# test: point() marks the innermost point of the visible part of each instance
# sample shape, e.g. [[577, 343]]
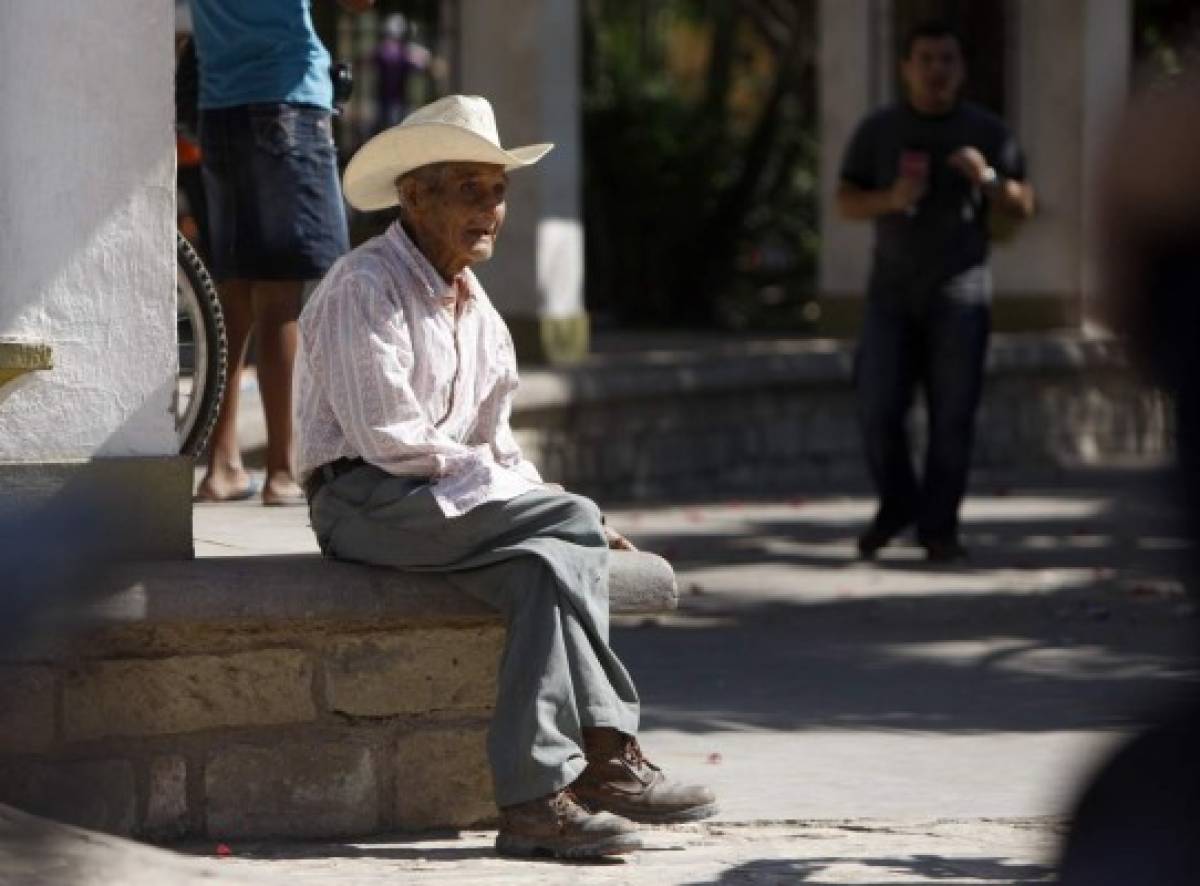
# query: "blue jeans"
[[939, 345]]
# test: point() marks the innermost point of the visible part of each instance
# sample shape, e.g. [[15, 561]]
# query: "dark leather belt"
[[328, 472]]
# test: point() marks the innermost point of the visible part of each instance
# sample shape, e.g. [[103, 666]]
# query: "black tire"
[[202, 351]]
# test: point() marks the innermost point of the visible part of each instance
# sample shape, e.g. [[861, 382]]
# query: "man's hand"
[[972, 165], [616, 541], [1014, 198], [905, 191], [857, 204]]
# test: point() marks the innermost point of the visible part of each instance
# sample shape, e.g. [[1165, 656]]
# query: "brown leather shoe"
[[556, 825], [619, 779]]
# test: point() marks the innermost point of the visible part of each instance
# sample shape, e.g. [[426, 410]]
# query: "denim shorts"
[[275, 208]]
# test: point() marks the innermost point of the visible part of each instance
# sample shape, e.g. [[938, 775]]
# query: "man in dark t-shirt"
[[927, 171]]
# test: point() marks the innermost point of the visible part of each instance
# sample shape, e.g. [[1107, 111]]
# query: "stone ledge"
[[269, 696], [296, 587], [761, 364], [223, 604]]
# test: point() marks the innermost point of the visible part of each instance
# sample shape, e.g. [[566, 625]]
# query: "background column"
[[855, 77], [523, 55]]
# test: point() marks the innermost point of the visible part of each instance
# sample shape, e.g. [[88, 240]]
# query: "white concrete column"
[[855, 76], [87, 249], [1072, 61], [523, 55], [1108, 59]]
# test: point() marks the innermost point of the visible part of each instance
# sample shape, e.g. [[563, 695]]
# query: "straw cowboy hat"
[[457, 128]]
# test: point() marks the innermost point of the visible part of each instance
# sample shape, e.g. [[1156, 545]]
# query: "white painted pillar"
[[1072, 74], [523, 55], [855, 77], [87, 217], [1108, 58]]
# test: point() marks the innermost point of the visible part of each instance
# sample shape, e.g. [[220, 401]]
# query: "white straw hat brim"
[[369, 182]]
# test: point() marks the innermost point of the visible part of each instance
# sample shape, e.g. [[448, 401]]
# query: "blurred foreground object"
[[55, 558], [1139, 820]]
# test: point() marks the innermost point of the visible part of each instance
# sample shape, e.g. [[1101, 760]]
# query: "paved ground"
[[863, 724], [886, 723]]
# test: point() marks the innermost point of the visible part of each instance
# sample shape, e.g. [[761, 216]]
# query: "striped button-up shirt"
[[412, 374]]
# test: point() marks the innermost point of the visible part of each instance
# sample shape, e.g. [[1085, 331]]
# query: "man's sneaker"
[[878, 536], [557, 826], [870, 543], [619, 779], [945, 551]]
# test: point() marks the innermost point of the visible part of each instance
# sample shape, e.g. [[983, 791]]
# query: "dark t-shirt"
[[947, 233]]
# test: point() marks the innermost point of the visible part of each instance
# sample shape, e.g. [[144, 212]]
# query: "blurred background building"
[[699, 143]]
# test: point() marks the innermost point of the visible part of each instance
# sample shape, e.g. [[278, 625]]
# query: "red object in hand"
[[914, 164]]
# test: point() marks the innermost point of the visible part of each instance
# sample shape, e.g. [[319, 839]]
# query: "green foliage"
[[1167, 38], [688, 225]]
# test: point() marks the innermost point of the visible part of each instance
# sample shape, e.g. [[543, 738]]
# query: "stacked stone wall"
[[214, 733]]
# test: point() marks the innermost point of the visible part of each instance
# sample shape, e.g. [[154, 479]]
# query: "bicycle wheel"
[[200, 383]]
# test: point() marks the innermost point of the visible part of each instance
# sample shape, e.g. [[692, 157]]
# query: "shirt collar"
[[431, 281]]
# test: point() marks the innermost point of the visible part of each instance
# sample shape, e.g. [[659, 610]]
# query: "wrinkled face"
[[933, 73], [458, 212]]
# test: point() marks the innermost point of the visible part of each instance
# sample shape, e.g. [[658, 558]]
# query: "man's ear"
[[406, 191]]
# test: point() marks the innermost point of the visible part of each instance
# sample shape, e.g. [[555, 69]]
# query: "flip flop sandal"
[[248, 491]]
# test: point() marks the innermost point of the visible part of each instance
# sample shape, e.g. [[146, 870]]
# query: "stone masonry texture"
[[166, 805], [443, 778], [416, 671], [187, 694], [99, 794], [307, 787], [26, 709]]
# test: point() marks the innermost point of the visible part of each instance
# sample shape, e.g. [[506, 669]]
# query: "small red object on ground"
[[223, 850]]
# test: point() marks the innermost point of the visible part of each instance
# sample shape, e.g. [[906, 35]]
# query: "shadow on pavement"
[[1120, 533], [940, 871], [1100, 643]]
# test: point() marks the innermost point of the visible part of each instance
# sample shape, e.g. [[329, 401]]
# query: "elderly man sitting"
[[405, 378]]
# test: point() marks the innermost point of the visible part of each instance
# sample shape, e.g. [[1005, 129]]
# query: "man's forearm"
[[859, 204]]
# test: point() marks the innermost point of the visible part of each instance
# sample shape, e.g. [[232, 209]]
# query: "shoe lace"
[[566, 800], [634, 755]]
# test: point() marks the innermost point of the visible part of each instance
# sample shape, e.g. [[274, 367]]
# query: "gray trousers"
[[547, 574]]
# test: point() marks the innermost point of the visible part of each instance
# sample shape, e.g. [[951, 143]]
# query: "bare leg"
[[276, 309], [226, 476]]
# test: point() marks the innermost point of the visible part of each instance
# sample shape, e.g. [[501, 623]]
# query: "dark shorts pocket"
[[274, 129]]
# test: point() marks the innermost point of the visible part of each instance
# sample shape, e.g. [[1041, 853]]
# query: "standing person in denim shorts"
[[275, 208]]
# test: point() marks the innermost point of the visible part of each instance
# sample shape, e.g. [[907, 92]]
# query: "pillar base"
[[19, 357], [149, 499], [554, 341]]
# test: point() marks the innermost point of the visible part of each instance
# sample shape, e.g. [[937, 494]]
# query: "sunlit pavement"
[[862, 723]]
